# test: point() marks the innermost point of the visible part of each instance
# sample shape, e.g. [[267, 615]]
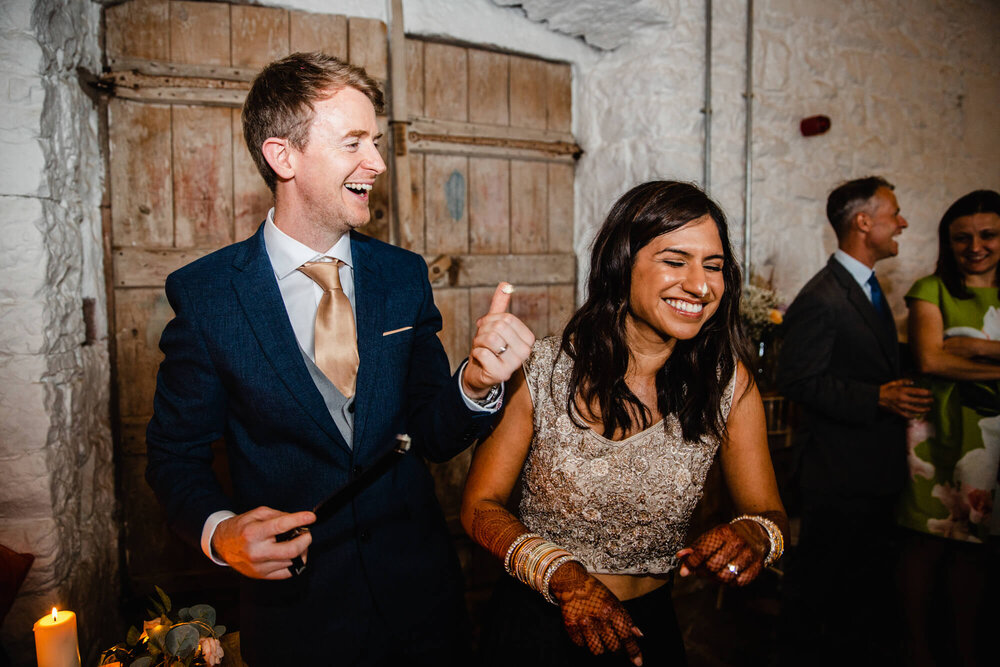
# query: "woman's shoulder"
[[546, 348], [543, 355], [928, 288], [737, 385], [546, 367]]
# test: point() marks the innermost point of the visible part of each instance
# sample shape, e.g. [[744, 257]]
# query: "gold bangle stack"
[[533, 560], [773, 535]]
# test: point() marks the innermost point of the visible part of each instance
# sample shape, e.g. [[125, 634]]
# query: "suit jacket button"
[[356, 471], [364, 535]]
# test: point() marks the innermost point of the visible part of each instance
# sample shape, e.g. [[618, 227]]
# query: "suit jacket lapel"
[[884, 328], [258, 294], [369, 305]]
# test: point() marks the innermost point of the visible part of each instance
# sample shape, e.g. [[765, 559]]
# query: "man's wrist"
[[476, 404], [208, 532], [491, 396], [467, 390]]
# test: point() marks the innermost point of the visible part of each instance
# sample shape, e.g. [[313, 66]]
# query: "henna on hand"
[[593, 616], [740, 545]]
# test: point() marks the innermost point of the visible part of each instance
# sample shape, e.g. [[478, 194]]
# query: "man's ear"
[[277, 152], [863, 222]]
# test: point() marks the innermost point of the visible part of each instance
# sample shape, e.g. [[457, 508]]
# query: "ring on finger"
[[733, 569], [501, 350]]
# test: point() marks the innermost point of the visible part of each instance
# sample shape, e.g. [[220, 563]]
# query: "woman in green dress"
[[954, 450]]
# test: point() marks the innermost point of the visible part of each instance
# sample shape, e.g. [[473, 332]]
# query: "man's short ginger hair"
[[850, 198], [280, 101]]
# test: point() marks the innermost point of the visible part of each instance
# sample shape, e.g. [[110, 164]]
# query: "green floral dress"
[[954, 451]]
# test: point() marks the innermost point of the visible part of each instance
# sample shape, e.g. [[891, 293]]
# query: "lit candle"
[[55, 640]]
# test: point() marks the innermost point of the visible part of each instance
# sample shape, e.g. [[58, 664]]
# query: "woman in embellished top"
[[608, 435]]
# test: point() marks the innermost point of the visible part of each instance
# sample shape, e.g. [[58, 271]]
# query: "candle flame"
[[55, 615]]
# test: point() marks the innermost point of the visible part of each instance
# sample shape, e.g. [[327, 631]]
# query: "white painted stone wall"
[[57, 486]]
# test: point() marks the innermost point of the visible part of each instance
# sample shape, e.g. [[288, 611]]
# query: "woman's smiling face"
[[677, 281], [975, 241]]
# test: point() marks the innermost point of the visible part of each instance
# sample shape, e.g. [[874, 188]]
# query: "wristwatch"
[[489, 398]]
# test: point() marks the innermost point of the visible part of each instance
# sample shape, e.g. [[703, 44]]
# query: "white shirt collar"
[[858, 271], [287, 254]]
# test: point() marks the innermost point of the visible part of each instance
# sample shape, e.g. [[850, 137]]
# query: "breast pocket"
[[398, 336], [402, 308]]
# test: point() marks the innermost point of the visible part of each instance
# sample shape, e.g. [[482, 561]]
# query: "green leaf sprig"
[[167, 640]]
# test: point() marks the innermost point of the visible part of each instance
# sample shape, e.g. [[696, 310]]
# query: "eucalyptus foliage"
[[166, 640]]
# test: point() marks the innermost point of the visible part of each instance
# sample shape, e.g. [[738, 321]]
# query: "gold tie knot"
[[326, 274]]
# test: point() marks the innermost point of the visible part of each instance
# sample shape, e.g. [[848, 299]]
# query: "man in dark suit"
[[840, 363], [308, 347]]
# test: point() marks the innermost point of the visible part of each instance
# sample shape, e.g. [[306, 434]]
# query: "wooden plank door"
[[182, 184], [491, 158]]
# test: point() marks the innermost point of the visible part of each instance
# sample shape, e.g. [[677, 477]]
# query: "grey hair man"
[[840, 361]]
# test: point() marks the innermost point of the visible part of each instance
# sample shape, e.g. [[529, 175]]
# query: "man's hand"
[[246, 542], [903, 398], [501, 345]]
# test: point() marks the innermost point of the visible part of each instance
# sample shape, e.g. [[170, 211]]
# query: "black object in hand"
[[329, 506]]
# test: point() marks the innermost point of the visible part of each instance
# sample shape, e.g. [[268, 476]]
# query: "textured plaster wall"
[[602, 24], [481, 22], [57, 486], [912, 89]]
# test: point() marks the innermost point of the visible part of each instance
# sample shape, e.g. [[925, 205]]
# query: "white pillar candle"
[[55, 640]]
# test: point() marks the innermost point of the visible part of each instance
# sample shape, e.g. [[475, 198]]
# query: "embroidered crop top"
[[622, 507]]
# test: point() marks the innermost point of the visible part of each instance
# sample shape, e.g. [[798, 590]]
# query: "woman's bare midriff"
[[628, 586]]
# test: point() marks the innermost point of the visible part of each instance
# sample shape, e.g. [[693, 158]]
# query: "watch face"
[[491, 396]]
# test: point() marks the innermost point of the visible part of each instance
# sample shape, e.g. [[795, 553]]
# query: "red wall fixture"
[[814, 125]]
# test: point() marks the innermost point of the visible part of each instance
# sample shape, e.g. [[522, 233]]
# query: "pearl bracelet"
[[774, 535]]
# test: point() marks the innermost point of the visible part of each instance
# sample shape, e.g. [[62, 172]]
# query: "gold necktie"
[[336, 340]]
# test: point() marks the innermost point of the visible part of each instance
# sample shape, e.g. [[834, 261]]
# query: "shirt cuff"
[[490, 407], [211, 523]]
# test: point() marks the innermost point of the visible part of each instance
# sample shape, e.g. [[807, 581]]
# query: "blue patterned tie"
[[878, 298]]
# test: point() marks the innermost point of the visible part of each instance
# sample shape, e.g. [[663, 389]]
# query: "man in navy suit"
[[840, 362], [382, 583]]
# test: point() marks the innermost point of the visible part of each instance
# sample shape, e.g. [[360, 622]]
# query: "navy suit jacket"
[[836, 352], [233, 370]]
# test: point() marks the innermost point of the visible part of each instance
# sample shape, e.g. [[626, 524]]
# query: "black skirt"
[[522, 629]]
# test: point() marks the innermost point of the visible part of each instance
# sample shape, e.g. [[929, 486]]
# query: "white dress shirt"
[[858, 271]]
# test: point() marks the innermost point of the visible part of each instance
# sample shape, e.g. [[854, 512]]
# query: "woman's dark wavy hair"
[[978, 201], [692, 381]]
